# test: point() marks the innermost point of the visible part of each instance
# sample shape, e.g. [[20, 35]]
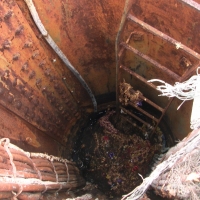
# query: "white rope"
[[184, 91], [190, 143]]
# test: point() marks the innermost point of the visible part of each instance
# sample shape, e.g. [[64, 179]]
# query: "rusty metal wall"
[[163, 44], [40, 99]]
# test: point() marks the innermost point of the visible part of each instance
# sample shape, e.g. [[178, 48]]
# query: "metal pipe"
[[58, 51]]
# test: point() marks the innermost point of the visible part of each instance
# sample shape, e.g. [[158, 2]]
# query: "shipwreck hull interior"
[[116, 47]]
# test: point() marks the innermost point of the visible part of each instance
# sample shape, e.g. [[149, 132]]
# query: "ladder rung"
[[163, 36], [136, 117], [137, 76], [147, 58], [149, 102], [134, 124], [144, 112]]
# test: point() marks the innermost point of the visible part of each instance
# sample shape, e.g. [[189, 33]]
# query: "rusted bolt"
[[44, 90], [14, 83], [52, 78], [47, 72], [60, 108], [38, 119], [16, 56], [28, 94], [32, 75], [22, 89], [2, 89], [56, 85], [52, 99], [8, 15], [28, 44], [5, 75], [38, 82], [25, 67], [10, 98], [18, 104], [7, 44], [35, 101], [26, 109], [19, 30], [42, 64], [31, 115], [35, 54]]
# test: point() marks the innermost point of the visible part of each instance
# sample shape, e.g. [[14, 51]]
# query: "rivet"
[[25, 67], [10, 98], [19, 30], [35, 54], [56, 85], [26, 109], [16, 56], [47, 72], [60, 108], [28, 44], [38, 82], [28, 94], [8, 15], [18, 104], [38, 119], [31, 115], [44, 90], [7, 44], [35, 101], [2, 90], [22, 89], [14, 82], [52, 99], [42, 64], [5, 75], [32, 74], [52, 78]]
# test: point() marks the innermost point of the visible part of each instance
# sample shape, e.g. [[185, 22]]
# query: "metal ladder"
[[122, 47]]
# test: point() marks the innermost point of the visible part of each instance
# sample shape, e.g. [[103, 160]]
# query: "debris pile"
[[115, 159]]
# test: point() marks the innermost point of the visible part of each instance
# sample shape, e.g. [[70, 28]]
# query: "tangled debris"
[[127, 94], [114, 156]]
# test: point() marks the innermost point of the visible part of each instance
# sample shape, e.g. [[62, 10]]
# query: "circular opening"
[[114, 152]]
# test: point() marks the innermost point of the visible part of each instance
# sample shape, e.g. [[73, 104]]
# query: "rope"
[[58, 51], [54, 169], [190, 144], [7, 141], [67, 172], [184, 91]]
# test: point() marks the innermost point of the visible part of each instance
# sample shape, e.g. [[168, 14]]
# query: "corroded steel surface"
[[43, 98], [85, 31], [156, 42], [30, 85], [37, 88]]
